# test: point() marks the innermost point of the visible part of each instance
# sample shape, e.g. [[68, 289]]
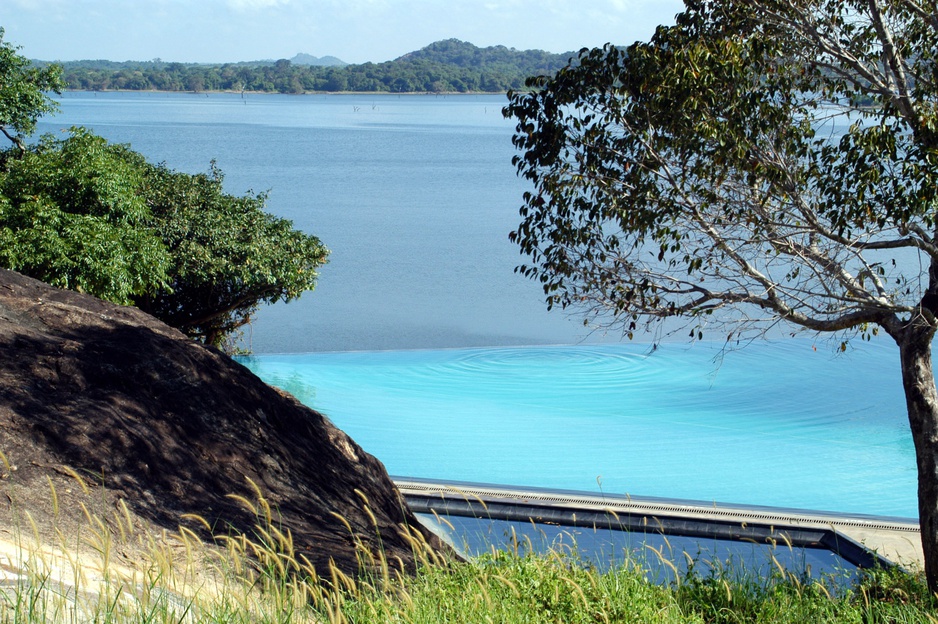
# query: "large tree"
[[72, 216], [760, 161], [81, 213], [227, 254]]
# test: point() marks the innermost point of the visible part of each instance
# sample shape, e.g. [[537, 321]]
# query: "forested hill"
[[444, 66]]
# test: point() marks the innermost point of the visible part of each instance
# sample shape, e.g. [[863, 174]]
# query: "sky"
[[356, 31]]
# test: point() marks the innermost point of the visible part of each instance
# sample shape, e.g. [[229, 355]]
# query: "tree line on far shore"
[[450, 66]]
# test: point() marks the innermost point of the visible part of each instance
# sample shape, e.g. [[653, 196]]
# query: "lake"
[[414, 196], [422, 343]]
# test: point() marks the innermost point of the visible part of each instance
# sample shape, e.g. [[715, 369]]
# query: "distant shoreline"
[[228, 91]]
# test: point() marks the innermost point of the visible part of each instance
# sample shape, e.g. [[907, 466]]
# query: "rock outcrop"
[[172, 427]]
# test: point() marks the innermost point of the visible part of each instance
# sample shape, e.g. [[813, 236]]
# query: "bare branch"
[[15, 139], [929, 16], [844, 62], [891, 60]]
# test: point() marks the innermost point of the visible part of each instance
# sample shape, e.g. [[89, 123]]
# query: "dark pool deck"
[[860, 539]]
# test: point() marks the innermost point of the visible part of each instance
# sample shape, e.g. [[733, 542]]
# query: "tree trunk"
[[918, 381]]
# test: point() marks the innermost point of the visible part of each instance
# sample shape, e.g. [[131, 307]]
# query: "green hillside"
[[442, 67]]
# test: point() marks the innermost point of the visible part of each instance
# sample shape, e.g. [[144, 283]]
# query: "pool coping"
[[864, 540]]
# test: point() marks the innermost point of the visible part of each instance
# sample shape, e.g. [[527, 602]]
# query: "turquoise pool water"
[[786, 423]]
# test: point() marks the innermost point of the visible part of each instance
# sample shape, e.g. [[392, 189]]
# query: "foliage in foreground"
[[501, 587], [760, 164], [84, 214], [23, 92], [513, 587], [261, 578]]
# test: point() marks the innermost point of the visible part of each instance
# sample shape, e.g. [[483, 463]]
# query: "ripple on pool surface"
[[776, 424]]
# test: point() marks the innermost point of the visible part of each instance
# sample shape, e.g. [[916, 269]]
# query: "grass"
[[175, 577]]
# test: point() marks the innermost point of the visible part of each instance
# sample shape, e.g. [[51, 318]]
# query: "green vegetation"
[[261, 578], [701, 177], [226, 254], [83, 214], [511, 587], [70, 216], [80, 213], [23, 93], [444, 66]]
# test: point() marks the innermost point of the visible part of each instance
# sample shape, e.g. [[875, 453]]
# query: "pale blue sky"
[[356, 31]]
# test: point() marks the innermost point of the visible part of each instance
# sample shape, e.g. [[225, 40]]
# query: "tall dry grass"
[[177, 577]]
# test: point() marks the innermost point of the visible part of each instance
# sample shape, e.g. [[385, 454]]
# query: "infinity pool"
[[785, 424]]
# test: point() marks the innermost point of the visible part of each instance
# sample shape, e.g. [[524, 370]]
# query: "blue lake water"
[[422, 343], [414, 196]]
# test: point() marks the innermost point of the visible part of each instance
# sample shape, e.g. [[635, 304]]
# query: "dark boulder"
[[173, 427]]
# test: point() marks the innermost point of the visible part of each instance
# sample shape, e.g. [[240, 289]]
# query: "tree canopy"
[[761, 161], [721, 165], [23, 89], [81, 213], [71, 216], [85, 214], [227, 255]]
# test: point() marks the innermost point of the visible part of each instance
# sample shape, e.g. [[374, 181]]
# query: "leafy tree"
[[196, 83], [23, 93], [335, 81], [84, 214], [70, 215], [227, 254], [760, 161]]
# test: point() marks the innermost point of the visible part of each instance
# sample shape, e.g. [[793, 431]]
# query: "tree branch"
[[15, 139], [891, 60]]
